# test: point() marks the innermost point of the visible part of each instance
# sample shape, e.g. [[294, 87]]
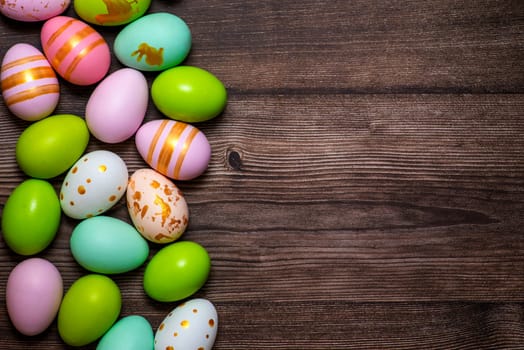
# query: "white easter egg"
[[94, 184], [190, 326]]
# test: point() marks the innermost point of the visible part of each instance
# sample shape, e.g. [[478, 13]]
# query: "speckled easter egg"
[[175, 149], [191, 325], [110, 12], [93, 185], [153, 42], [29, 85], [116, 108], [75, 50], [33, 10], [156, 206]]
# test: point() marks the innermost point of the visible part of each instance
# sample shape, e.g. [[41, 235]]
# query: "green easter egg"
[[129, 333], [153, 42], [31, 217], [49, 147], [110, 12], [89, 309], [177, 271], [188, 94]]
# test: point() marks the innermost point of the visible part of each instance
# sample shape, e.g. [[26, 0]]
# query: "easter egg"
[[156, 206], [89, 308], [153, 42], [129, 333], [108, 245], [110, 12], [177, 271], [93, 185], [76, 51], [29, 85], [48, 147], [191, 325], [189, 94], [32, 10], [117, 106], [33, 294], [31, 217], [175, 149]]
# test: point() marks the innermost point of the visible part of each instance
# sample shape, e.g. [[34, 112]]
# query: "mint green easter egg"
[[129, 333]]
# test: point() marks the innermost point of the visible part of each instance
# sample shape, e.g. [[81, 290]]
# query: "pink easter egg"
[[118, 105], [34, 292], [175, 149], [77, 52], [29, 85], [33, 10]]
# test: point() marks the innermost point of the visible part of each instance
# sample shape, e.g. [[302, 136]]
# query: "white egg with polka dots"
[[190, 326], [93, 185]]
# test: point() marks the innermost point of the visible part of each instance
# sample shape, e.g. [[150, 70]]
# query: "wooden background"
[[366, 188]]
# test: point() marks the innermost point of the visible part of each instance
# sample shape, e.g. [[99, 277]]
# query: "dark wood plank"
[[366, 186]]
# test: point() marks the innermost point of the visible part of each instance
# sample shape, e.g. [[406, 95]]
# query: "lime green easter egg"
[[188, 94], [31, 217], [177, 271], [110, 12], [89, 309], [49, 147]]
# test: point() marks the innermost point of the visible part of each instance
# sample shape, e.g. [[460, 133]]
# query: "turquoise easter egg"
[[153, 42], [130, 333], [108, 245]]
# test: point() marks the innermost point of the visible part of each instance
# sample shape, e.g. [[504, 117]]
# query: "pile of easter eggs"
[[93, 182]]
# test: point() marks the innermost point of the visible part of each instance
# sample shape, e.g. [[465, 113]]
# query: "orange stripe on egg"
[[26, 76], [154, 141], [183, 152], [80, 56], [22, 61], [70, 44], [32, 93], [59, 32], [169, 146]]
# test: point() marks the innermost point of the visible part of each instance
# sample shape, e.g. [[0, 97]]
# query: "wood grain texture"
[[366, 187]]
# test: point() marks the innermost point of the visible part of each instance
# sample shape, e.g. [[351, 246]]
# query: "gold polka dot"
[[81, 189], [75, 169], [207, 336], [85, 159], [170, 348], [184, 323], [161, 327], [88, 181], [201, 348], [89, 216], [119, 188], [102, 168], [61, 196], [112, 198], [175, 334], [211, 322], [71, 203], [67, 183], [195, 311]]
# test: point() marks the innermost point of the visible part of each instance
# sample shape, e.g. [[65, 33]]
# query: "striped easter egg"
[[175, 149], [77, 52], [29, 85]]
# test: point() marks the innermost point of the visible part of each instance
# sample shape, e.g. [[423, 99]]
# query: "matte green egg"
[[89, 309], [31, 217], [49, 147], [188, 94], [177, 271], [110, 12], [108, 245], [153, 42]]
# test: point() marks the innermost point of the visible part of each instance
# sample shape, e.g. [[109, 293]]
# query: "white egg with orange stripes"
[[30, 87], [175, 149]]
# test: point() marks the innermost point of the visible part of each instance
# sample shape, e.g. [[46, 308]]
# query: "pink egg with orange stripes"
[[175, 149], [76, 51], [29, 85]]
